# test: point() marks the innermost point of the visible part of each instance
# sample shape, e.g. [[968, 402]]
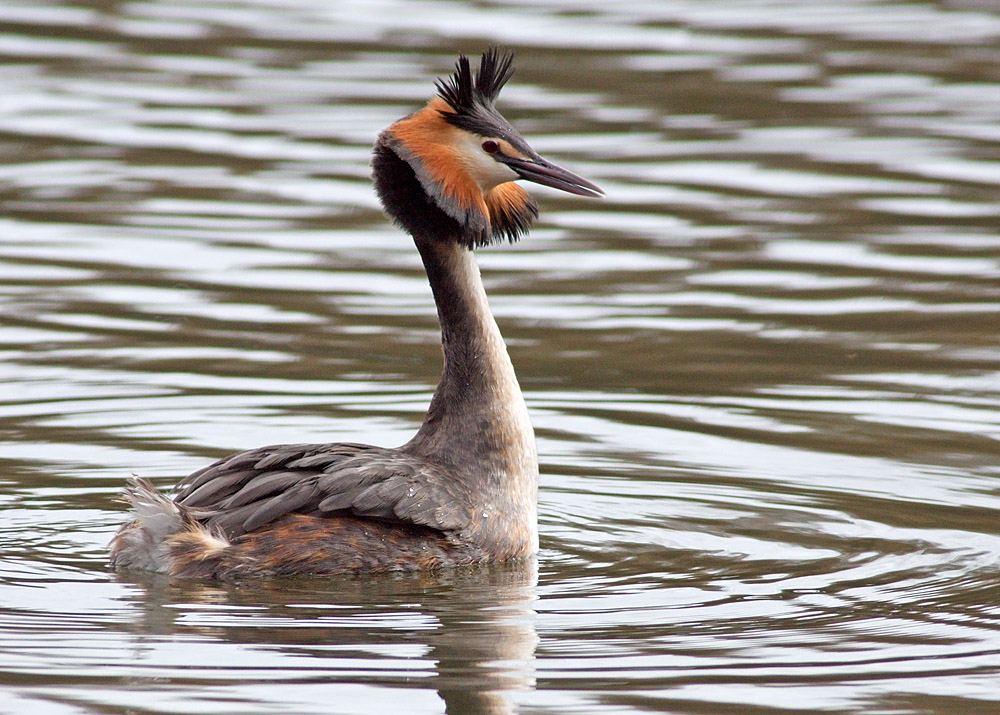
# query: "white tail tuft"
[[140, 543], [162, 533], [158, 515]]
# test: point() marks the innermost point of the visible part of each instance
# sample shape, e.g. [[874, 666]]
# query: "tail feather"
[[150, 542], [158, 515]]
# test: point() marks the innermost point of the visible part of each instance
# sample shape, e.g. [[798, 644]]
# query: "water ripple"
[[763, 371]]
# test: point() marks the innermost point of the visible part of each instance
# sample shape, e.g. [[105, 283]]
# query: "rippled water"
[[764, 372]]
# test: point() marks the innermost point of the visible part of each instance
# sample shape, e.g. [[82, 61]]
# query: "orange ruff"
[[506, 201], [434, 142]]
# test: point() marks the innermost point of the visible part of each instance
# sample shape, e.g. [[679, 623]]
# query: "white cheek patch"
[[486, 171]]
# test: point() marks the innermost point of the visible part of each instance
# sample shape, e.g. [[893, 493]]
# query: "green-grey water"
[[764, 371]]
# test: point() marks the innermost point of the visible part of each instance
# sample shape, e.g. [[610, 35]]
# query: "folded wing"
[[250, 490]]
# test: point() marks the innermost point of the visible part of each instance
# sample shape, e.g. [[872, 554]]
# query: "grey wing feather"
[[264, 485], [249, 490], [231, 522], [209, 490], [241, 462], [287, 502]]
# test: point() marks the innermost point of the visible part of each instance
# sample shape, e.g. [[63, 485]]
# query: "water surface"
[[764, 371]]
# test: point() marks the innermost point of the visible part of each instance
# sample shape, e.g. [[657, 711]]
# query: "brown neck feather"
[[477, 415]]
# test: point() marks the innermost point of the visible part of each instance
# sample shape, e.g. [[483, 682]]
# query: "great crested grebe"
[[464, 489]]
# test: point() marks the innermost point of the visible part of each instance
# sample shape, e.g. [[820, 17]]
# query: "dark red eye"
[[490, 146]]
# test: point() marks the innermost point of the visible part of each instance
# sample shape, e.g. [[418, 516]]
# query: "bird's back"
[[317, 508]]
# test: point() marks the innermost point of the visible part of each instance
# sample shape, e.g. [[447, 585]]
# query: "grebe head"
[[466, 156]]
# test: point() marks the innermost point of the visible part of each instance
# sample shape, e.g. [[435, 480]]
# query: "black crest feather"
[[466, 94], [418, 203]]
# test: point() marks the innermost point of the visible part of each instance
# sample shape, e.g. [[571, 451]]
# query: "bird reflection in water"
[[477, 656]]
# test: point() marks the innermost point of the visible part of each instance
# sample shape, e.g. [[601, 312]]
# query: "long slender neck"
[[477, 424], [477, 419]]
